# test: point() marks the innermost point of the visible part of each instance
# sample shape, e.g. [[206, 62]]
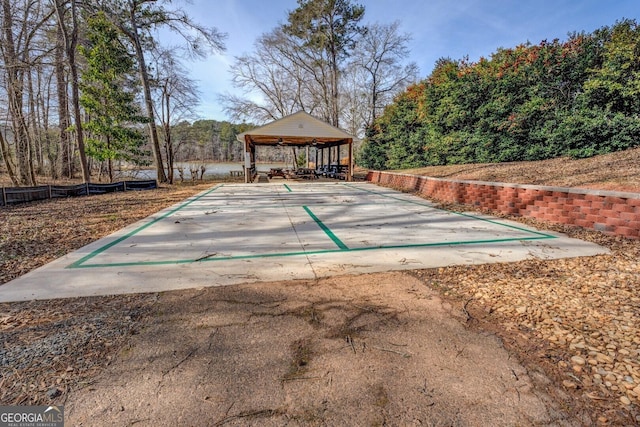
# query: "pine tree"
[[108, 98]]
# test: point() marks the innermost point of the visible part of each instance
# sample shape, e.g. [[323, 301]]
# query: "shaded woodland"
[[85, 85]]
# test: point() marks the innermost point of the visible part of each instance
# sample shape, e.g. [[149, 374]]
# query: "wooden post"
[[247, 159], [350, 170], [295, 158]]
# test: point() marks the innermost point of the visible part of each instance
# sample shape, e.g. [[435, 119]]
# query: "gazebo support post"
[[350, 170], [249, 159]]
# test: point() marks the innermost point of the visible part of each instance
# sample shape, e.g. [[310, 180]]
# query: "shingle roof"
[[297, 129]]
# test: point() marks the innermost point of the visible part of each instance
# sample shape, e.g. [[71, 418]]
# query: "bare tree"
[[65, 159], [16, 36], [70, 37], [380, 55], [177, 97], [355, 105], [284, 82], [136, 19]]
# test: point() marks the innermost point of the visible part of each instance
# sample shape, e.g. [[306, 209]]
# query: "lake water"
[[212, 170]]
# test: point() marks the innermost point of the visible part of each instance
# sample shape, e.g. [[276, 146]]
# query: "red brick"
[[617, 222], [593, 218], [563, 220], [567, 213], [552, 218], [627, 232], [622, 207], [582, 203], [615, 200], [593, 198], [629, 216]]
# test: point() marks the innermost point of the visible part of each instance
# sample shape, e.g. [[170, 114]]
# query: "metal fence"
[[14, 195]]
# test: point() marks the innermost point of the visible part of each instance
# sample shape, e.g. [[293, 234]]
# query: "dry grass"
[[618, 171]]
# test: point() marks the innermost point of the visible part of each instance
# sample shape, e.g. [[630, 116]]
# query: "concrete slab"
[[241, 233]]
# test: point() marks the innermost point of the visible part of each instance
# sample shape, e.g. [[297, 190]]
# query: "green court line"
[[326, 229], [342, 247], [515, 227], [318, 252], [287, 187], [137, 230]]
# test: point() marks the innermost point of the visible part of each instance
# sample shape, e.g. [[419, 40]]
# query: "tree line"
[[578, 97], [87, 85], [84, 84]]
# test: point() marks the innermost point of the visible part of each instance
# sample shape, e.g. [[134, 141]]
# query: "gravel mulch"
[[52, 347], [578, 319]]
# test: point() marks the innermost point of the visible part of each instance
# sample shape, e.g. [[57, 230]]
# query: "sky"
[[439, 28]]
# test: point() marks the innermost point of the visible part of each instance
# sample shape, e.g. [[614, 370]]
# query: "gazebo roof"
[[297, 129]]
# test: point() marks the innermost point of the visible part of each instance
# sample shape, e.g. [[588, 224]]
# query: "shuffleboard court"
[[239, 233]]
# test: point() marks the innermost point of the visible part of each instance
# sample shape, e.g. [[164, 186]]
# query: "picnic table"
[[276, 172]]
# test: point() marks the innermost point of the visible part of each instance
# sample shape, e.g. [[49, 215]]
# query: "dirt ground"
[[379, 349], [528, 343]]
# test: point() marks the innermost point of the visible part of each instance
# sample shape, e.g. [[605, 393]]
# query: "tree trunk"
[[8, 163], [75, 92], [110, 163], [32, 127], [70, 42], [146, 86], [335, 108], [170, 158], [167, 134], [15, 88], [47, 154], [64, 120]]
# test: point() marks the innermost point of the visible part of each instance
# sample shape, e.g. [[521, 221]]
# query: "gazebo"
[[297, 130]]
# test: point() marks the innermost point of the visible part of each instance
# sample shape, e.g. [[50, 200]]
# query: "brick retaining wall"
[[611, 212]]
